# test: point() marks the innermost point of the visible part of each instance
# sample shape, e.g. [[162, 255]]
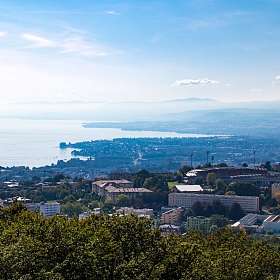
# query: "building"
[[188, 188], [187, 200], [201, 224], [169, 229], [275, 191], [254, 223], [224, 173], [172, 216], [251, 223], [143, 212], [130, 193], [85, 215], [112, 189], [50, 209], [276, 166], [272, 224], [99, 186], [261, 180]]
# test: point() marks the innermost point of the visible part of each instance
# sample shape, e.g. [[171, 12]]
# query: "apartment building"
[[172, 216], [187, 200], [201, 224], [50, 209], [275, 191], [99, 187], [113, 188], [141, 212]]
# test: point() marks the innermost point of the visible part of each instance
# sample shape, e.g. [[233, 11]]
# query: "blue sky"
[[90, 50]]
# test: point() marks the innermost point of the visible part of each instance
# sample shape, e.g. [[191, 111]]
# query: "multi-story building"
[[251, 223], [143, 212], [275, 191], [272, 224], [188, 188], [198, 223], [50, 209], [224, 173], [113, 188], [99, 187], [187, 200], [172, 216]]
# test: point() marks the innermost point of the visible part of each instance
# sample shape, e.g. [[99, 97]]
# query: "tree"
[[243, 189], [198, 209], [140, 178], [211, 179], [156, 184], [122, 200], [268, 166], [220, 186], [236, 212], [73, 208], [113, 247], [219, 220], [218, 208], [184, 169]]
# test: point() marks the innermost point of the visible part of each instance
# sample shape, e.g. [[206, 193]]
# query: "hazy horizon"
[[82, 52]]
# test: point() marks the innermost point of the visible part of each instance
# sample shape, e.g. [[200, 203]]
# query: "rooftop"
[[188, 188], [112, 189], [104, 182]]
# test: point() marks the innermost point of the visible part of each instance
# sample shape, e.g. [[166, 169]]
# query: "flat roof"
[[189, 188]]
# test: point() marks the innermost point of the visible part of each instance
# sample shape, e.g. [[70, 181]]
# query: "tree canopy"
[[104, 247]]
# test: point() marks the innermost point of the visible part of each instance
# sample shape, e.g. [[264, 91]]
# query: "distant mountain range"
[[192, 109]]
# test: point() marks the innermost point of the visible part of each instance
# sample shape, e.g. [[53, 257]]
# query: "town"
[[204, 199]]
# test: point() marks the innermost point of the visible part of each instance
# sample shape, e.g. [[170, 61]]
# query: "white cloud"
[[38, 41], [69, 45], [195, 82], [112, 13], [277, 78], [81, 46], [3, 34]]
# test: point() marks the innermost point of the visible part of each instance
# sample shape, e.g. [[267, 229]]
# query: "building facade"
[[275, 191], [112, 189], [50, 209], [187, 200], [201, 224], [172, 216]]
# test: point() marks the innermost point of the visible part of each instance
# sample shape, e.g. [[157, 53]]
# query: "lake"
[[35, 143]]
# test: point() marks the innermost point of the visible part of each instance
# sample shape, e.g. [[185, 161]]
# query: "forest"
[[115, 247]]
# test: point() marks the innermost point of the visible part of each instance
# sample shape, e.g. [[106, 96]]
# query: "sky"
[[86, 51]]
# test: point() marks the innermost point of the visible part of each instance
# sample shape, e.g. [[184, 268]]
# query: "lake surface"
[[35, 143]]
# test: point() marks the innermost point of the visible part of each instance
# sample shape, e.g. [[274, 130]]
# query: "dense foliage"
[[32, 247]]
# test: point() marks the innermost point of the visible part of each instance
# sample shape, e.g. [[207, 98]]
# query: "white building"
[[187, 188], [143, 212], [272, 224], [187, 200], [85, 215], [50, 209]]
